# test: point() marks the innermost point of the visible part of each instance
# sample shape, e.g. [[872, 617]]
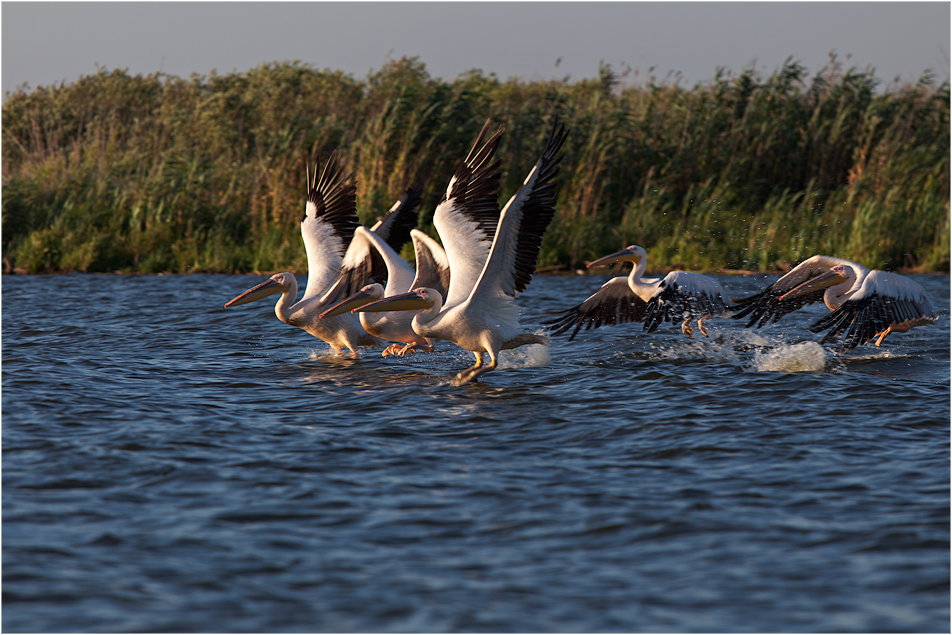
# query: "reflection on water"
[[170, 465]]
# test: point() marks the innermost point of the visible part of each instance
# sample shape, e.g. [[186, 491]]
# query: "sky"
[[49, 42]]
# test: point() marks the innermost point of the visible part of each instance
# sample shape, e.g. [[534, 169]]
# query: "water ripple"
[[170, 465]]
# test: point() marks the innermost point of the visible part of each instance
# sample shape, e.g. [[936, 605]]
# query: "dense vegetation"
[[158, 173]]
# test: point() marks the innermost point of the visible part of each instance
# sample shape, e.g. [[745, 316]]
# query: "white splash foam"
[[524, 357], [807, 357], [328, 355]]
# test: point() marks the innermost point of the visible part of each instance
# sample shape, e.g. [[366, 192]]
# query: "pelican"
[[432, 271], [432, 264], [478, 313], [865, 304], [632, 298], [336, 263]]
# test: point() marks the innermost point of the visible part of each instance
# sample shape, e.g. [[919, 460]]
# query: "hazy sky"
[[47, 42]]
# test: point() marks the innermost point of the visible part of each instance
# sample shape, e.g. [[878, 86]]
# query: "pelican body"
[[680, 295], [864, 304], [469, 205], [395, 326], [487, 268], [339, 259]]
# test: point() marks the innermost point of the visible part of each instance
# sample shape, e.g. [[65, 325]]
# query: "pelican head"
[[631, 253], [416, 300], [278, 283], [833, 277], [366, 295]]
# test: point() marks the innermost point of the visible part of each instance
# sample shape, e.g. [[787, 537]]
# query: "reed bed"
[[154, 173]]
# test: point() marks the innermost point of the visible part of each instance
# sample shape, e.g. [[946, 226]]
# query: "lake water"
[[171, 465]]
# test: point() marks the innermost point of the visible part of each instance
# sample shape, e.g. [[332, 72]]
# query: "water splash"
[[807, 357], [328, 355], [530, 356]]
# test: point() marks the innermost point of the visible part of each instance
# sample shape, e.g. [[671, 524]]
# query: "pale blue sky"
[[47, 42]]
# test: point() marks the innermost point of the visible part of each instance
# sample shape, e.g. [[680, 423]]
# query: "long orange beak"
[[623, 255], [828, 279], [263, 290], [403, 302], [355, 301]]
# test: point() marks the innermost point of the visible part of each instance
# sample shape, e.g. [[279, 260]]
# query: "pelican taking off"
[[432, 265], [865, 304], [680, 295], [432, 271], [479, 314], [337, 264]]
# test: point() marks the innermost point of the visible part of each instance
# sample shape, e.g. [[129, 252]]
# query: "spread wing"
[[330, 218], [766, 306], [467, 216], [613, 303], [432, 266], [515, 247], [394, 228], [682, 294], [885, 299], [357, 268]]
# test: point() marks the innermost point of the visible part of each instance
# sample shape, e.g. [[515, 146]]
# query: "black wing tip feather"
[[671, 305], [475, 185], [766, 307], [539, 208], [334, 195], [478, 174], [396, 225], [599, 312], [861, 320]]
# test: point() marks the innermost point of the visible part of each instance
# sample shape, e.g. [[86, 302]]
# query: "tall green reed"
[[152, 173]]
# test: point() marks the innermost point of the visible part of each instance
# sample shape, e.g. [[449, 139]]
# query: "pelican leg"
[[393, 349], [463, 376], [686, 328], [892, 328], [700, 324], [409, 348], [475, 373]]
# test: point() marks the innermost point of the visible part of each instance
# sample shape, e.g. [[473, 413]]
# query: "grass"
[[156, 173]]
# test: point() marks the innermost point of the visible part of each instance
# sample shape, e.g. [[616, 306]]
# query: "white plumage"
[[337, 263], [487, 268], [864, 304], [395, 326]]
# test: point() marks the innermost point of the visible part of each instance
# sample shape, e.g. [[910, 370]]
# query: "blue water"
[[171, 465]]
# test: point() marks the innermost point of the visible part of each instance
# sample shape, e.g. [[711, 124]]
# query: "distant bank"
[[162, 174]]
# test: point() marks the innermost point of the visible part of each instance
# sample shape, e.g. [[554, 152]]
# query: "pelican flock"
[[361, 293], [479, 314], [339, 258]]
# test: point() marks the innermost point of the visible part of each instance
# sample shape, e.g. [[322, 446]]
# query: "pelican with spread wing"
[[489, 261], [481, 175], [680, 295], [864, 304], [339, 258]]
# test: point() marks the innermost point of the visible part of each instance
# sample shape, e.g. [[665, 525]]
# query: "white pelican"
[[432, 271], [680, 295], [479, 314], [870, 304], [432, 265], [336, 263]]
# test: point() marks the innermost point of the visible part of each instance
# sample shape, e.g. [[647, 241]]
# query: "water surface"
[[171, 465]]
